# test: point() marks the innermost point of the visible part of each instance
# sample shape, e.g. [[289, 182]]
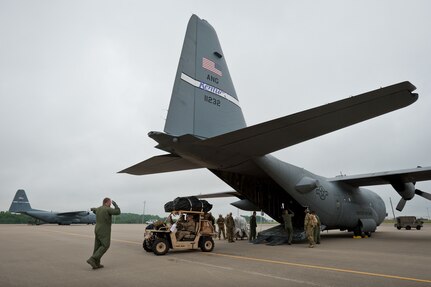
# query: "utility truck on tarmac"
[[408, 222]]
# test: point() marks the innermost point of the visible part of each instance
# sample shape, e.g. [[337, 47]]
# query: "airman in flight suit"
[[102, 231]]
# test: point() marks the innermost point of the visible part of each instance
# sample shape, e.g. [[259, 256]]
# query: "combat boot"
[[99, 265], [92, 262]]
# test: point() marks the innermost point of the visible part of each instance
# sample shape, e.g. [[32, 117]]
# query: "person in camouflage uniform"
[[310, 223], [230, 226], [253, 225], [186, 228], [220, 224], [102, 231], [208, 216], [287, 218], [317, 229]]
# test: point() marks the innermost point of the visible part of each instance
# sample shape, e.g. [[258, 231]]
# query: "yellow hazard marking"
[[321, 267]]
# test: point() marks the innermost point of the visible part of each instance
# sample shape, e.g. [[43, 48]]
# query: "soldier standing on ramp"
[[310, 223], [287, 218], [102, 231], [230, 226], [253, 226], [317, 228], [220, 224]]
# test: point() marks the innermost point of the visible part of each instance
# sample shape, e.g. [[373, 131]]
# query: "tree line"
[[124, 218], [7, 217]]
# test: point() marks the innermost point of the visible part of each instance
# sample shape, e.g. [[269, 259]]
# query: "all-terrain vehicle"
[[160, 237]]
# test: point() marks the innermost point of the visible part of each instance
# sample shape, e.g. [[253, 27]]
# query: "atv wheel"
[[207, 244], [160, 246], [147, 246]]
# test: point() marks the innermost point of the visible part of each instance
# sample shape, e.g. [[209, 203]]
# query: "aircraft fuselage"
[[55, 218], [281, 185], [338, 206]]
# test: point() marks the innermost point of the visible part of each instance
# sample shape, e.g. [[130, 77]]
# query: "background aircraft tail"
[[204, 102], [20, 202]]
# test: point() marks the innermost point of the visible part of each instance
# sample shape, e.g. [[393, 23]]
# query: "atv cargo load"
[[191, 203]]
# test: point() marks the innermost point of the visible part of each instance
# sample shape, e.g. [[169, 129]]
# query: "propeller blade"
[[423, 194], [401, 204]]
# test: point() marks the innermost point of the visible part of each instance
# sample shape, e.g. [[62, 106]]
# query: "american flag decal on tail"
[[210, 66]]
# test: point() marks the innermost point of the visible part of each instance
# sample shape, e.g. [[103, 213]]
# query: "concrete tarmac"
[[52, 255]]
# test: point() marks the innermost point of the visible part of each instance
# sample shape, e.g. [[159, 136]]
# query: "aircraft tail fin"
[[20, 202], [203, 102]]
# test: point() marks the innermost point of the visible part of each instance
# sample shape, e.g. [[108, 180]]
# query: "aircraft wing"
[[160, 163], [233, 149], [283, 132], [386, 177]]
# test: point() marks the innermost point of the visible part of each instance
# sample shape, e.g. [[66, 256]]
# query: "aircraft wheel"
[[408, 228], [399, 227], [418, 227], [160, 246], [357, 232], [147, 245], [207, 244]]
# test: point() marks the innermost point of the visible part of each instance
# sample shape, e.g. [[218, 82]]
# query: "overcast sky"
[[83, 82]]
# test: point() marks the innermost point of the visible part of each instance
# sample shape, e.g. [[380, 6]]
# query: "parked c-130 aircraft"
[[205, 128], [20, 204]]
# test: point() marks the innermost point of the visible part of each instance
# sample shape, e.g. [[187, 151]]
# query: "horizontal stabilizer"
[[283, 132], [159, 164], [386, 177]]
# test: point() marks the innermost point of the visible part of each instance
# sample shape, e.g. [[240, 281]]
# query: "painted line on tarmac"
[[283, 278], [204, 264], [321, 267], [274, 261], [247, 272]]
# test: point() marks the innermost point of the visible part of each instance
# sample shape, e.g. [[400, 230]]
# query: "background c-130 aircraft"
[[205, 128], [20, 204]]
